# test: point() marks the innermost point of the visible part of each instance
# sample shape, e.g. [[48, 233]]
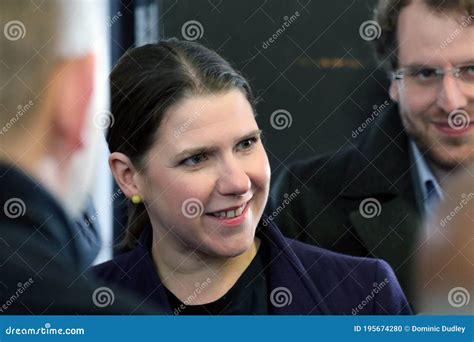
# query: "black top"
[[248, 296]]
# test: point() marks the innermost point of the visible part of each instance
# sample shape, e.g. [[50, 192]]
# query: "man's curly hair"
[[387, 13]]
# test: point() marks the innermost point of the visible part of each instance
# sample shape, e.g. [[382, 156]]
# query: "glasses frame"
[[401, 73]]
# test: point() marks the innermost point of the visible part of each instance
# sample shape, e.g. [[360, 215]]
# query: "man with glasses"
[[368, 199]]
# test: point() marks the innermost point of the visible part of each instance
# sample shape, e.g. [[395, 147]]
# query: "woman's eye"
[[425, 74], [247, 143], [194, 160]]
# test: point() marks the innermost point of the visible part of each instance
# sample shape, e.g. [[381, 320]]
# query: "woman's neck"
[[196, 276]]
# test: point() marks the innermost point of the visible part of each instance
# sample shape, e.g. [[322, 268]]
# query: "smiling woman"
[[187, 150]]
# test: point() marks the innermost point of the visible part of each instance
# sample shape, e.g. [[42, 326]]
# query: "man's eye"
[[194, 160], [424, 74], [247, 143], [467, 72]]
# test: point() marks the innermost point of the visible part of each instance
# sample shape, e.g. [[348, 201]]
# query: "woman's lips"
[[234, 221]]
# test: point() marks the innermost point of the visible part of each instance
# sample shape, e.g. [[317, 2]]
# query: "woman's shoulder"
[[369, 284]]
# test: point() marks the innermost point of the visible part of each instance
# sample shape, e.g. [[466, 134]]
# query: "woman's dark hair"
[[145, 82]]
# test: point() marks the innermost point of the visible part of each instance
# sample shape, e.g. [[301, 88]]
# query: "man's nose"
[[451, 95]]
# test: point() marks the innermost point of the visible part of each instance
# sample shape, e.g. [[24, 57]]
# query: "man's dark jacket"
[[360, 200], [43, 256]]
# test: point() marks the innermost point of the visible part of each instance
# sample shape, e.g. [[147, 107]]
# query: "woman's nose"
[[233, 179]]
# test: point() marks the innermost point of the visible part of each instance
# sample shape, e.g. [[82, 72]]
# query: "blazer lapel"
[[392, 234], [290, 290]]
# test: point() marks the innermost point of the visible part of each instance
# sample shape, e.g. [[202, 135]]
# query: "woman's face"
[[207, 177]]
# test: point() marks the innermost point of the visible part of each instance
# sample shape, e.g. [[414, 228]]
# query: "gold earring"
[[136, 199]]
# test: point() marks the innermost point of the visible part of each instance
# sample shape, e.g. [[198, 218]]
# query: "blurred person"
[[46, 79], [445, 281], [187, 152], [369, 199]]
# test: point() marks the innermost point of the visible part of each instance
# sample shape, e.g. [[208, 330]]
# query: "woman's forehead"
[[224, 114]]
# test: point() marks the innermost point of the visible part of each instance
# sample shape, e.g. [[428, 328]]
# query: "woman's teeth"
[[230, 213]]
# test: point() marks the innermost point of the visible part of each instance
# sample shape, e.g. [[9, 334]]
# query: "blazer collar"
[[290, 289], [42, 211], [382, 170], [379, 165]]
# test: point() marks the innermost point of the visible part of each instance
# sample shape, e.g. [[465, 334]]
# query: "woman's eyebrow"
[[249, 135], [201, 149]]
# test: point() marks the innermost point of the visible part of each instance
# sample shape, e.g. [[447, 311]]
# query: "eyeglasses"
[[428, 76]]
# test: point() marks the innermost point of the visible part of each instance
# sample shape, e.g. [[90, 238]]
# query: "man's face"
[[438, 115]]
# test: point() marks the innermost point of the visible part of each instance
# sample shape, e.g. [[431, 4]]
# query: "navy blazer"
[[311, 280]]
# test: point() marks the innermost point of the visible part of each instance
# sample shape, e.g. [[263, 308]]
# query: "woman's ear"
[[124, 173]]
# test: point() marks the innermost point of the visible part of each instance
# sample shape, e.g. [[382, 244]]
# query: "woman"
[[187, 151]]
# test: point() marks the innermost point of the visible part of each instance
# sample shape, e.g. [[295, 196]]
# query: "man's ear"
[[71, 90], [124, 173], [394, 91]]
